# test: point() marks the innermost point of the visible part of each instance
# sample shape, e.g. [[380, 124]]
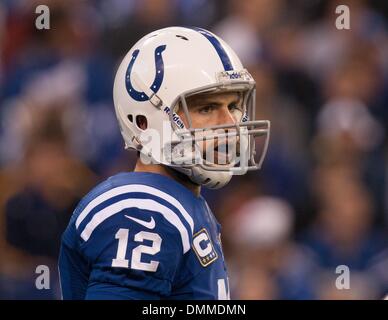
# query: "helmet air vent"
[[181, 37]]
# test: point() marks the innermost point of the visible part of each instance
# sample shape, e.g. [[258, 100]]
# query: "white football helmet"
[[152, 83]]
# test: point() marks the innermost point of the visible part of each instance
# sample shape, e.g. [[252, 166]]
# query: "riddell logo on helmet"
[[234, 75], [177, 120]]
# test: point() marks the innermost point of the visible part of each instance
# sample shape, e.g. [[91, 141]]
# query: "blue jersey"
[[142, 236]]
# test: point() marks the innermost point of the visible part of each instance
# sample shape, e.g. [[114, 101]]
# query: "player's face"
[[208, 110]]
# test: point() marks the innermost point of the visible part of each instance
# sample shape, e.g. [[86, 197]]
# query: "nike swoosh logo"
[[148, 224]]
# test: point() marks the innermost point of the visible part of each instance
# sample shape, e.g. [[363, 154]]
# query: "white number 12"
[[120, 261]]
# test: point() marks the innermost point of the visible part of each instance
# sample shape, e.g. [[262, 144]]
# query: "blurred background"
[[320, 200]]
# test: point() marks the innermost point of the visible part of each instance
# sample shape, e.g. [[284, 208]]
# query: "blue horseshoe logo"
[[159, 74]]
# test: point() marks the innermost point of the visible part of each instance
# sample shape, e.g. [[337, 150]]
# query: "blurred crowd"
[[319, 202]]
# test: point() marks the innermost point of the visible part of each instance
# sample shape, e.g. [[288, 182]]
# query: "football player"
[[184, 101]]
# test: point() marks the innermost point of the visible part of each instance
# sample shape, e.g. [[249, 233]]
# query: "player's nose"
[[225, 116]]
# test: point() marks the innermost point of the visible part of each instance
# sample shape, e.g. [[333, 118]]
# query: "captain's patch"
[[204, 248]]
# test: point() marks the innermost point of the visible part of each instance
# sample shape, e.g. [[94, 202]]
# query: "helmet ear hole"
[[141, 122]]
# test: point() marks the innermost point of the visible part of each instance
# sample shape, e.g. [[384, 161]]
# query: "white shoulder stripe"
[[134, 188], [145, 204]]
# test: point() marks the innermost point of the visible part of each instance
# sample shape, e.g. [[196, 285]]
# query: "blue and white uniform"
[[142, 236]]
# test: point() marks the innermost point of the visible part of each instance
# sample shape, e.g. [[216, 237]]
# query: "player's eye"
[[234, 107], [206, 109]]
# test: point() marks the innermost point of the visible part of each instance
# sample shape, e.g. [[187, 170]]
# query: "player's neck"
[[173, 174]]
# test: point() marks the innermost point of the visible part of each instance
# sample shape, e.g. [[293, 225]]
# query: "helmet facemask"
[[222, 150]]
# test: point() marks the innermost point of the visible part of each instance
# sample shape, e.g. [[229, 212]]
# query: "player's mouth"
[[222, 155]]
